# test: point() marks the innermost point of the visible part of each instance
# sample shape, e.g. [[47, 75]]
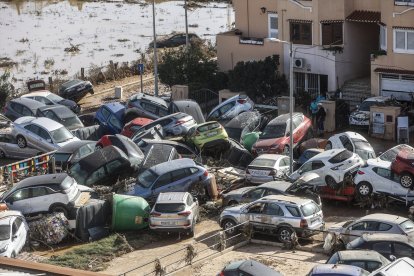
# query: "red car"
[[130, 128], [275, 136], [403, 165]]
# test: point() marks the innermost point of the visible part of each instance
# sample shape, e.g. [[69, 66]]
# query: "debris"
[[50, 229]]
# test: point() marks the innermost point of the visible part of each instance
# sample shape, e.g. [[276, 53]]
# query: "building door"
[[399, 86]]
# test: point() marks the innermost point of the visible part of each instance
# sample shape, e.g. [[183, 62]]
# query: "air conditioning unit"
[[298, 63]]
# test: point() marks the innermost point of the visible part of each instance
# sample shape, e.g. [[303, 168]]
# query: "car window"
[[383, 172], [149, 107], [225, 108], [26, 111], [215, 114], [193, 170], [382, 247], [16, 225], [297, 121], [43, 100], [274, 210], [115, 122], [294, 211], [402, 250], [105, 113], [341, 157], [96, 176], [360, 264], [169, 207], [346, 142], [272, 192], [49, 114], [163, 180], [113, 166], [309, 209], [316, 165], [407, 225], [32, 128], [43, 133], [256, 208], [305, 168], [366, 225], [371, 265], [162, 112], [384, 227], [190, 200], [84, 150], [179, 174], [39, 191], [19, 195], [255, 194], [17, 107]]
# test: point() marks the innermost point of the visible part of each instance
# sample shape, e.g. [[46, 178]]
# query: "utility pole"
[[155, 51], [186, 26]]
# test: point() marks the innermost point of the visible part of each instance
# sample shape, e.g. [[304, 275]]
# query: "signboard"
[[251, 41], [141, 68]]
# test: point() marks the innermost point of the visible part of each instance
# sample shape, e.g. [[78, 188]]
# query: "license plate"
[[259, 173], [212, 133], [168, 223]]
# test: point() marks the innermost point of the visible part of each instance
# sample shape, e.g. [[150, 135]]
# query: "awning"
[[299, 21], [394, 71], [364, 17], [403, 27], [332, 21]]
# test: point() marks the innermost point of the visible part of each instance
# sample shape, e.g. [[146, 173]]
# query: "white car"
[[42, 133], [174, 212], [267, 167], [230, 108], [13, 233], [334, 167], [376, 177], [360, 117], [45, 194], [392, 153], [353, 142], [402, 266]]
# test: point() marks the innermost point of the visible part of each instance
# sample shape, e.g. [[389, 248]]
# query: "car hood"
[[68, 103], [360, 114], [338, 227], [234, 209], [83, 188], [269, 142], [68, 141], [238, 192]]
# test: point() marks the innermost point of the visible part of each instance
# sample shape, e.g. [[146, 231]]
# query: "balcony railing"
[[404, 2]]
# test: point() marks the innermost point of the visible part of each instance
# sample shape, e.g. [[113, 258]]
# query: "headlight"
[[2, 250]]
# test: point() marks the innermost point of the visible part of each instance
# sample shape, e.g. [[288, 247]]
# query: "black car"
[[189, 107], [71, 153], [103, 167], [145, 106], [391, 246], [248, 267], [174, 40], [244, 123], [75, 89], [183, 150], [157, 154], [20, 107], [60, 114]]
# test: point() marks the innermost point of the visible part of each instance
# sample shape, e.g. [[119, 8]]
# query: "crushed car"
[[13, 233]]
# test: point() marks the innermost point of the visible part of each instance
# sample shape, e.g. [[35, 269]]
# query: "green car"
[[207, 135]]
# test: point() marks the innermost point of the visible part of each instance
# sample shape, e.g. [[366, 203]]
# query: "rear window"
[[407, 226], [309, 209], [67, 183], [263, 162], [61, 157], [208, 127], [169, 207], [341, 157]]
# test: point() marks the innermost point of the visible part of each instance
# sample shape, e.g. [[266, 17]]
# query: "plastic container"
[[129, 212]]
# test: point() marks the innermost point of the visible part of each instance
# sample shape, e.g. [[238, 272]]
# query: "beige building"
[[334, 42]]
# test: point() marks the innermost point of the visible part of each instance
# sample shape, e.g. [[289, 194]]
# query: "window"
[[384, 227], [316, 165], [17, 107], [43, 133], [19, 195], [226, 108], [301, 33], [193, 170], [16, 225], [50, 115], [341, 157], [383, 172], [178, 174], [383, 38], [114, 121], [273, 209], [149, 107], [43, 100], [382, 247], [105, 113], [40, 191], [297, 121], [273, 25], [162, 112], [346, 142], [403, 41], [162, 181], [255, 194], [366, 226], [113, 166], [332, 34], [95, 176], [256, 208], [402, 250], [272, 192], [294, 211], [26, 111]]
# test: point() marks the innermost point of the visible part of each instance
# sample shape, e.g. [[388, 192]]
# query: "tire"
[[331, 183], [407, 180], [364, 189], [2, 154], [328, 146], [21, 141], [229, 223], [284, 234], [59, 209]]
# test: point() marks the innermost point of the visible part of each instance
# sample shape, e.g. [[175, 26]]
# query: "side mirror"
[[393, 258], [15, 237]]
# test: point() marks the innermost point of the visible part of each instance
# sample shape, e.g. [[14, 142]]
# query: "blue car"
[[308, 154], [110, 116], [179, 175]]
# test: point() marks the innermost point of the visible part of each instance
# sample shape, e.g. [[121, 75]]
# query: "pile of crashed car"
[[151, 162]]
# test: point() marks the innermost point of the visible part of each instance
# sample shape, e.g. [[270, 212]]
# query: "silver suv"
[[175, 212], [276, 214]]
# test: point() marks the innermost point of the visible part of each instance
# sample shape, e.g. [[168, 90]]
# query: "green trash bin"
[[249, 139], [129, 212]]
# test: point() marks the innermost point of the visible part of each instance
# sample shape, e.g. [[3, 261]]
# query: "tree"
[[6, 88], [258, 78]]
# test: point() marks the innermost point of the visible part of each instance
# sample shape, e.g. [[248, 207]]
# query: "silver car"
[[43, 134], [10, 149], [174, 212], [276, 214], [374, 223], [230, 108], [267, 167]]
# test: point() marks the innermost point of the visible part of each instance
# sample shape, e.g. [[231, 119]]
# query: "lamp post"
[[155, 51], [290, 103], [186, 26]]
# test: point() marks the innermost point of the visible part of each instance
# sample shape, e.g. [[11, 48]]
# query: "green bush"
[[6, 88]]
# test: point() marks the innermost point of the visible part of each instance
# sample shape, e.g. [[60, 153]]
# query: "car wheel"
[[21, 141], [2, 154], [331, 183], [364, 188], [59, 209], [228, 226], [328, 146], [286, 150], [284, 234], [406, 180]]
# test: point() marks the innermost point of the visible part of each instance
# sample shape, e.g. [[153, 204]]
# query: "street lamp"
[[155, 51], [290, 103], [186, 26]]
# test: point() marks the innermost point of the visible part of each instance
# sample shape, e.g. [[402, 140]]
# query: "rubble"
[[49, 229]]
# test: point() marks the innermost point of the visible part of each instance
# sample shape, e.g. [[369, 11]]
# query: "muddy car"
[[75, 89]]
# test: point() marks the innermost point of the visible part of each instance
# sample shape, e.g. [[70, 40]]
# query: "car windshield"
[[309, 209], [365, 154], [366, 105], [392, 153], [61, 157], [234, 133], [341, 157], [263, 162], [67, 183], [207, 127], [61, 135], [273, 131], [169, 207], [4, 232], [356, 243], [146, 178], [407, 225], [73, 122], [78, 173], [54, 98]]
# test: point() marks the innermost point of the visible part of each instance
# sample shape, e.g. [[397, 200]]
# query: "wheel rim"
[[364, 190], [406, 181], [285, 235], [21, 142], [229, 225]]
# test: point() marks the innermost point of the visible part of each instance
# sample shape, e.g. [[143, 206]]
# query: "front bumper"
[[358, 121]]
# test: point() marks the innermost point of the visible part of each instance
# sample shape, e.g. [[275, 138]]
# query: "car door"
[[160, 185], [26, 111], [103, 118], [181, 180], [45, 139], [362, 227], [254, 214], [19, 234], [32, 137], [20, 200], [40, 199], [401, 250], [273, 215], [253, 195], [297, 131], [49, 114]]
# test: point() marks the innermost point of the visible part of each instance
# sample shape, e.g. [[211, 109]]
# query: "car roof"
[[286, 198], [384, 218], [116, 108], [377, 99], [9, 213], [172, 165], [251, 267], [98, 158], [353, 135], [337, 269], [327, 154], [385, 237], [40, 180], [60, 110], [32, 104], [173, 197], [142, 96], [278, 185], [377, 162], [243, 119], [270, 156], [362, 255], [47, 123], [283, 118], [72, 146], [42, 93]]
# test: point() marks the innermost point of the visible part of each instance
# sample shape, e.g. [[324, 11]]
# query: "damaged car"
[[13, 233]]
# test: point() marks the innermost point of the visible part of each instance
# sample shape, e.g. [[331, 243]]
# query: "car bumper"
[[358, 122], [308, 232], [175, 229], [259, 179]]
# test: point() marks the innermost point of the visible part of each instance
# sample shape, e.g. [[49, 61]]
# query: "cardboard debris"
[[50, 229], [231, 173]]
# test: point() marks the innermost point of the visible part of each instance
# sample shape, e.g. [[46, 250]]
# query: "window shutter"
[[327, 31]]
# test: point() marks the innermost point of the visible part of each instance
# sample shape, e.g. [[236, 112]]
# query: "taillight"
[[303, 223], [242, 101], [184, 214], [361, 172], [155, 214], [205, 173]]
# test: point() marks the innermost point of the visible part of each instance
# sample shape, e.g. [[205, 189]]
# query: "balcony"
[[404, 2]]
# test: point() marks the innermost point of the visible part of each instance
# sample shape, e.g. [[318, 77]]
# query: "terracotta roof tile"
[[365, 16], [332, 21], [394, 71], [403, 27]]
